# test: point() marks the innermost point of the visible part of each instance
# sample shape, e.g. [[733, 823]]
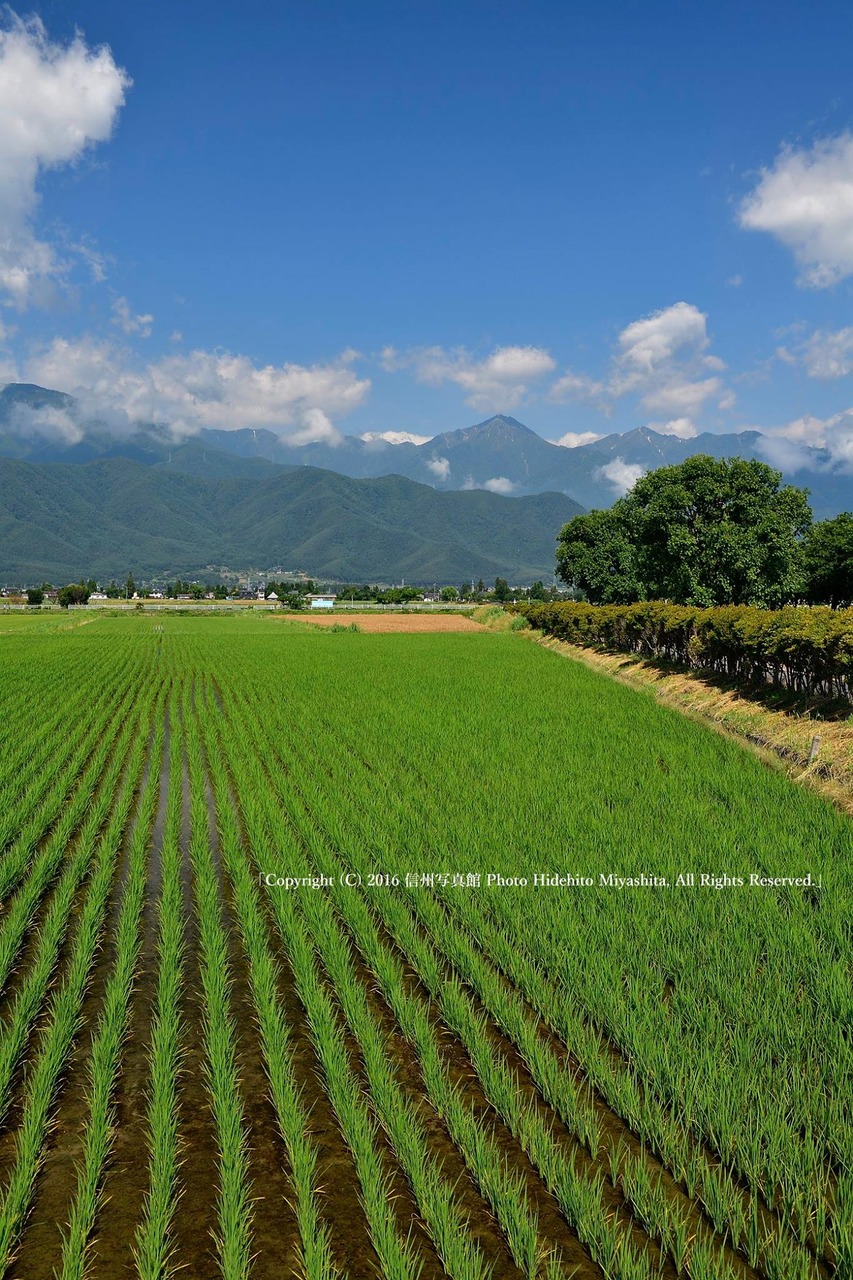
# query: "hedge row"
[[807, 650]]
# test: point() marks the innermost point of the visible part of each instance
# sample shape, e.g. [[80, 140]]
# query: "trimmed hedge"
[[806, 650]]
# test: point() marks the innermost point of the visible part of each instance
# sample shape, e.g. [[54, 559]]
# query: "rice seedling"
[[154, 1239], [234, 1232], [105, 1060], [63, 1016]]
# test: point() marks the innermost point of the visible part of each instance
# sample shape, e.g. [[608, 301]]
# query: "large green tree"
[[829, 561], [596, 553], [705, 532]]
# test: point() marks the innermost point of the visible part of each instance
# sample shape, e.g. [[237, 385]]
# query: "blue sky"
[[379, 217]]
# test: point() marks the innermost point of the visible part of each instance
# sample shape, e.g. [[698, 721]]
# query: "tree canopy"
[[829, 561], [708, 531]]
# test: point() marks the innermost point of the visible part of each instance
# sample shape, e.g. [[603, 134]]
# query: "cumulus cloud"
[[394, 437], [572, 439], [683, 428], [826, 354], [620, 475], [124, 318], [440, 468], [664, 360], [498, 484], [791, 446], [500, 381], [501, 485], [805, 200], [650, 344], [577, 386], [49, 423], [664, 357], [55, 102], [200, 389]]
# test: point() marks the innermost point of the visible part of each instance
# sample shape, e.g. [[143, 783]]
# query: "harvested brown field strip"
[[389, 623]]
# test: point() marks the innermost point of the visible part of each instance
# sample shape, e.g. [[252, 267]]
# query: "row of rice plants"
[[92, 802], [68, 792], [436, 1199], [794, 1171], [723, 1201], [154, 1238], [556, 1085], [234, 1208], [28, 1000], [787, 1138], [64, 1009], [264, 974], [33, 762], [610, 1245], [777, 1164], [579, 1196], [504, 1191], [111, 1030]]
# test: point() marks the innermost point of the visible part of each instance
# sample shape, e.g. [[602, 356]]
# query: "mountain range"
[[105, 518], [76, 496], [501, 454]]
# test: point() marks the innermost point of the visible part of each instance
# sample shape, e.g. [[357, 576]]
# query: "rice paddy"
[[414, 956]]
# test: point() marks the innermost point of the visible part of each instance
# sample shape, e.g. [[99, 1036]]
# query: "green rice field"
[[330, 955]]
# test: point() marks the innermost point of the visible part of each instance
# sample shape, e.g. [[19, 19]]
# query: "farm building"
[[322, 600]]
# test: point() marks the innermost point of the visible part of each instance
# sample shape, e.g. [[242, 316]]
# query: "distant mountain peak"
[[501, 420]]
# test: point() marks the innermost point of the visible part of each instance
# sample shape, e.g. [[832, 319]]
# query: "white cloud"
[[663, 359], [683, 428], [621, 475], [176, 336], [394, 437], [440, 467], [500, 381], [572, 439], [805, 200], [681, 397], [498, 484], [827, 354], [50, 423], [650, 344], [128, 322], [786, 446], [55, 102], [200, 389], [576, 386], [735, 282]]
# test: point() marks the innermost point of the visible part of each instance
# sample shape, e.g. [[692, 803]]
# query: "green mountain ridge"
[[105, 518]]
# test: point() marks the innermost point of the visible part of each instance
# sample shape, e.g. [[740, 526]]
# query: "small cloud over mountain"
[[393, 437], [498, 381], [621, 475]]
